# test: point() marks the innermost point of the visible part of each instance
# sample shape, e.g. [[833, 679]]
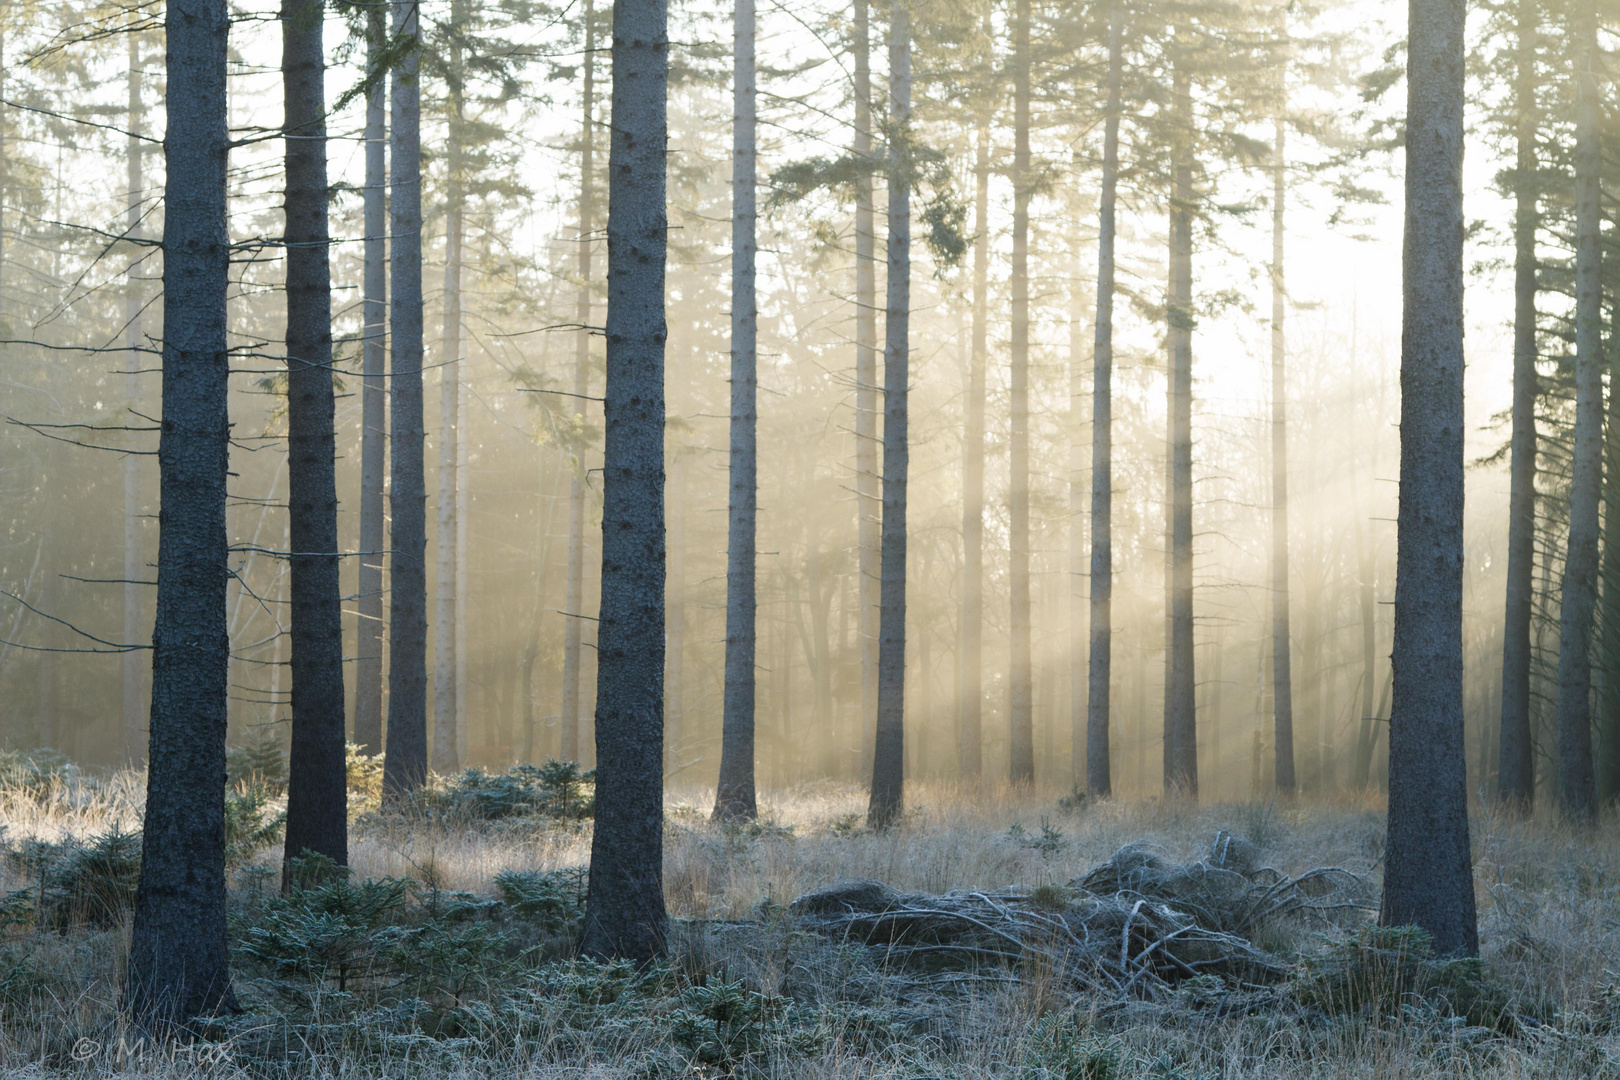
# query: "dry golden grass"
[[1549, 901]]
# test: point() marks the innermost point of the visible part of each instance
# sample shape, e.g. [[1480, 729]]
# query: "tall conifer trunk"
[[446, 688], [970, 684], [1577, 795], [1282, 678], [134, 716], [888, 760], [734, 799], [1180, 732], [624, 908], [317, 798], [1428, 877], [368, 665], [406, 761], [178, 956], [1516, 773], [868, 508], [1099, 779], [575, 597], [1020, 682]]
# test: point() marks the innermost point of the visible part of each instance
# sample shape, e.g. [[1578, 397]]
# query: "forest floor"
[[446, 952]]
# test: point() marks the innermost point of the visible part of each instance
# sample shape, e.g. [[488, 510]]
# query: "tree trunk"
[[405, 763], [1282, 691], [970, 685], [134, 718], [446, 690], [624, 910], [1369, 658], [1608, 722], [888, 759], [1516, 774], [1020, 679], [368, 665], [868, 510], [317, 797], [463, 503], [1180, 730], [575, 599], [1428, 879], [675, 619], [1099, 779], [734, 799], [178, 956], [1077, 523], [1577, 794]]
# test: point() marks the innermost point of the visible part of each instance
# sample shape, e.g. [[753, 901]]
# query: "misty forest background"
[[80, 209]]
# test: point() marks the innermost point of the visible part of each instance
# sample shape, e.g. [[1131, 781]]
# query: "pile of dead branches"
[[1132, 926]]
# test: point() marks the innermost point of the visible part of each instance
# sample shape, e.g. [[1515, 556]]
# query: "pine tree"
[[446, 667], [575, 595], [868, 507], [624, 907], [178, 957], [1577, 794], [1099, 779], [1516, 775], [317, 801], [368, 694], [134, 717], [1020, 682], [888, 759], [406, 761], [1428, 876], [1282, 692], [734, 799]]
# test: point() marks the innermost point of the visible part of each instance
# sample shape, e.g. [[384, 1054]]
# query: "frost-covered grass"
[[1549, 900]]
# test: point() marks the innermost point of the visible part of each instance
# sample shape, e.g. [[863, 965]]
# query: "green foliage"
[[80, 883], [337, 932], [250, 826], [725, 1028], [33, 772], [1385, 971], [944, 218], [260, 763], [1059, 1049], [557, 789], [363, 773], [553, 900], [1050, 842]]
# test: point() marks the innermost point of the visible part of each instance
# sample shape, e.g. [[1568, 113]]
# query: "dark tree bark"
[[1020, 681], [888, 760], [1180, 731], [134, 717], [734, 800], [1282, 677], [317, 796], [1428, 879], [624, 909], [178, 958], [1516, 774], [1099, 779], [868, 508], [1577, 792], [368, 691], [970, 687], [405, 763], [575, 596]]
